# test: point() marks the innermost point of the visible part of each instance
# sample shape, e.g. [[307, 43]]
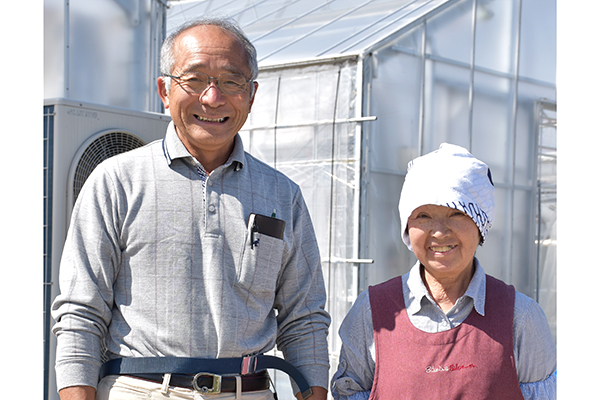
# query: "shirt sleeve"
[[83, 309], [535, 350], [300, 299], [542, 390], [356, 368]]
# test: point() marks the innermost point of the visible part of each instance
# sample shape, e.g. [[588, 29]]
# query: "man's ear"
[[162, 90], [253, 94]]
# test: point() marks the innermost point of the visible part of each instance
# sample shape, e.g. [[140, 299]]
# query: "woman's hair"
[[167, 54]]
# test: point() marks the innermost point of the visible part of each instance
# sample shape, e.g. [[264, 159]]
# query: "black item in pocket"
[[268, 226]]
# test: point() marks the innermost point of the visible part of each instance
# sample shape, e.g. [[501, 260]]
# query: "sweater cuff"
[[315, 375], [76, 373]]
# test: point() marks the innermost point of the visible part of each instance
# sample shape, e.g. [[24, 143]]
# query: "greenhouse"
[[351, 90]]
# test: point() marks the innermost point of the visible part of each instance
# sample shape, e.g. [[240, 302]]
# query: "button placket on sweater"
[[211, 200]]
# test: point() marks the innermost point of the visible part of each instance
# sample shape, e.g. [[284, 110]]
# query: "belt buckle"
[[216, 383]]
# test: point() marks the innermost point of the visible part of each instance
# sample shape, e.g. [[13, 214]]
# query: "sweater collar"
[[174, 148]]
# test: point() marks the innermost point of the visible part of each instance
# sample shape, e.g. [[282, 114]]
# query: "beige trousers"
[[118, 387]]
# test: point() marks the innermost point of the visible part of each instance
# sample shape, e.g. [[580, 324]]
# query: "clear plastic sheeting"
[[297, 30], [436, 83]]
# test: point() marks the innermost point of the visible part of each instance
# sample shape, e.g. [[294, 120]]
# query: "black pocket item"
[[268, 226]]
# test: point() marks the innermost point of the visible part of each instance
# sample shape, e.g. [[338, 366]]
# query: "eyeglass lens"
[[197, 82]]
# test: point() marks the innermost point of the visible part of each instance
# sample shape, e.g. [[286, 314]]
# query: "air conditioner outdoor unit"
[[77, 137]]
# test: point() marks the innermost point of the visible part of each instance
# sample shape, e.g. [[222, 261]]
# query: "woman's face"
[[444, 240]]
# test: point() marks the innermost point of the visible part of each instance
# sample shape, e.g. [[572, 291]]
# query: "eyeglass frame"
[[212, 78]]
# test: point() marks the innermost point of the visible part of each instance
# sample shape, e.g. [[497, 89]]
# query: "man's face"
[[206, 123]]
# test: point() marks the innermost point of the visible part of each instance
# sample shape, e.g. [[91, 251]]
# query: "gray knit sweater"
[[158, 262]]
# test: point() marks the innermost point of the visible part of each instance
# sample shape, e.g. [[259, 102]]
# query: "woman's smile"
[[443, 239], [441, 249]]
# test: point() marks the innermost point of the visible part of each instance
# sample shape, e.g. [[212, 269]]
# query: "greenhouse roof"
[[288, 31]]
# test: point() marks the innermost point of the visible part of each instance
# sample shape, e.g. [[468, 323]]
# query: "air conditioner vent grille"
[[108, 145]]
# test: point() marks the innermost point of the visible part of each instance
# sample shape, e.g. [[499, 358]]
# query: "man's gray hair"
[[167, 54]]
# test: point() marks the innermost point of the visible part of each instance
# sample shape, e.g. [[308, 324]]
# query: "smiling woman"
[[444, 240], [480, 337]]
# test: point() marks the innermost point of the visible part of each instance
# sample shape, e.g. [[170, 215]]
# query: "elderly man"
[[188, 258]]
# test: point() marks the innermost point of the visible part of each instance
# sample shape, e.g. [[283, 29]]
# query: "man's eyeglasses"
[[197, 82]]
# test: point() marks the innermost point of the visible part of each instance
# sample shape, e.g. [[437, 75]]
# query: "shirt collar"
[[418, 290], [476, 289], [174, 148]]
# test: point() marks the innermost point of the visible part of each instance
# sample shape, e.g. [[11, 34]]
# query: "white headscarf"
[[450, 177]]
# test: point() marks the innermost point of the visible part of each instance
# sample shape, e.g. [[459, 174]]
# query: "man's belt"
[[214, 367], [211, 383]]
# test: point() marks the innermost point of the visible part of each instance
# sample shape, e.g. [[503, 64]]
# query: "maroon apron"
[[474, 360]]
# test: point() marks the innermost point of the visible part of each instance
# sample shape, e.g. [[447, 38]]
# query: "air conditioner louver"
[[106, 145]]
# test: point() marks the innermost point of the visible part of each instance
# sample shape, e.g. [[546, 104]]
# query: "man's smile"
[[205, 119]]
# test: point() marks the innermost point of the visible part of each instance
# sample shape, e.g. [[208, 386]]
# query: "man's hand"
[[319, 393], [77, 393]]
